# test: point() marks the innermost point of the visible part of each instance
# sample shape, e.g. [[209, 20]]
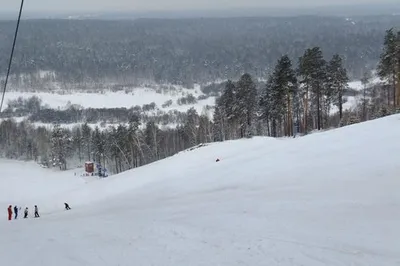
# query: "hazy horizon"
[[62, 6]]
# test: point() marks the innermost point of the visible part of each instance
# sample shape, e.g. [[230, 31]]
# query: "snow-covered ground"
[[100, 125], [136, 97], [352, 101], [139, 96], [358, 86], [330, 198]]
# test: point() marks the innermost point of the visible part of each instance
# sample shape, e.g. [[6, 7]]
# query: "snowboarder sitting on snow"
[[67, 206], [15, 212], [9, 212], [36, 211], [26, 213]]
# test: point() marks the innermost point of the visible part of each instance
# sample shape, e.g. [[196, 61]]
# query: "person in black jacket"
[[26, 213], [67, 206], [36, 212], [16, 212]]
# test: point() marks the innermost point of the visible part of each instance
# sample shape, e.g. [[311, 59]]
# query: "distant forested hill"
[[184, 51]]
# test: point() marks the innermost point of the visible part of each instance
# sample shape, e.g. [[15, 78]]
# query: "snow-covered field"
[[358, 86], [330, 198], [138, 96], [141, 96]]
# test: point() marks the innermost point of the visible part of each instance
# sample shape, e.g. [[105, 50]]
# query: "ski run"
[[329, 198]]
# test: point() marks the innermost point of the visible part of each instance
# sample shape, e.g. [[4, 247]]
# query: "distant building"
[[89, 167]]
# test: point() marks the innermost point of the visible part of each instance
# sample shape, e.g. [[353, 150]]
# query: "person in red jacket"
[[9, 212]]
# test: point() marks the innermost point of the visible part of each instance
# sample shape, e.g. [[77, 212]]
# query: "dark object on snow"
[[36, 212], [16, 212], [67, 206], [26, 213], [89, 167], [217, 160], [9, 212]]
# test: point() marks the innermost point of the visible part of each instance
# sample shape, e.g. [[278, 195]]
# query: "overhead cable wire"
[[12, 55]]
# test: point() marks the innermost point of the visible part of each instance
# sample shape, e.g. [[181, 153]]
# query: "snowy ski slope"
[[330, 198]]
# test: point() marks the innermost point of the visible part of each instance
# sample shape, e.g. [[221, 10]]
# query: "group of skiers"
[[16, 210], [26, 211]]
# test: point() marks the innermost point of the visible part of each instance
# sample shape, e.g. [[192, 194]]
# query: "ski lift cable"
[[12, 55]]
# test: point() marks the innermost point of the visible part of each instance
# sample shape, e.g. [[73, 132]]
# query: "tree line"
[[119, 148], [295, 100], [181, 51]]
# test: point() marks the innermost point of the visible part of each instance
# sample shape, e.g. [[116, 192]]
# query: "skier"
[[26, 213], [67, 206], [36, 212], [15, 212], [9, 212]]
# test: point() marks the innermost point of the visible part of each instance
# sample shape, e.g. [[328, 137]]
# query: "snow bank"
[[324, 199]]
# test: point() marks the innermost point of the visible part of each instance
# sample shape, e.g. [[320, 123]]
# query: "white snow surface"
[[330, 198], [357, 84], [139, 96], [108, 99]]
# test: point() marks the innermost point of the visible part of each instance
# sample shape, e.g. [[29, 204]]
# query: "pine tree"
[[285, 85], [336, 83], [152, 139], [43, 145], [219, 125], [389, 65], [61, 146], [191, 127], [86, 140], [313, 76], [120, 143], [353, 119], [277, 98], [205, 129], [226, 104], [113, 149], [365, 80], [78, 142], [304, 72], [134, 141], [245, 105], [21, 140], [266, 104], [99, 146]]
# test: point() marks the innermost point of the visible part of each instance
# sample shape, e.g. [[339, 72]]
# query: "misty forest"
[[278, 77]]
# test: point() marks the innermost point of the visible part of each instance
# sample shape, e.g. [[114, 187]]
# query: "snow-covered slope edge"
[[325, 199]]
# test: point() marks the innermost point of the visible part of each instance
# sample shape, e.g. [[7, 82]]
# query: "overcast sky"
[[147, 5]]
